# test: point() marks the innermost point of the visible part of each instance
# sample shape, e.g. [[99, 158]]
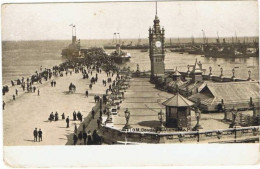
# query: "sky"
[[50, 21]]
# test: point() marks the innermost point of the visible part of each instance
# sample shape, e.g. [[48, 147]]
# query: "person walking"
[[87, 93], [3, 105], [89, 138], [13, 97], [75, 139], [63, 116], [16, 92], [93, 113], [80, 136], [68, 121], [40, 135], [98, 122], [75, 129], [35, 133], [84, 135], [84, 127], [74, 116], [38, 92]]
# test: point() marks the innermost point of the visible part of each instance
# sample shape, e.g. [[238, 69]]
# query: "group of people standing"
[[37, 134], [55, 117], [78, 116], [86, 138]]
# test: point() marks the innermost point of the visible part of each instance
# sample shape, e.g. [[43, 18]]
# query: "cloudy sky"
[[131, 19]]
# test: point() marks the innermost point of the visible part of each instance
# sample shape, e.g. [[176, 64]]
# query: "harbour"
[[153, 80]]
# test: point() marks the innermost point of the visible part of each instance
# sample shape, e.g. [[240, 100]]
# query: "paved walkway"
[[144, 102], [30, 111]]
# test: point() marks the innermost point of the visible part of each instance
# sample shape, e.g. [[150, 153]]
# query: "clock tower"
[[156, 48]]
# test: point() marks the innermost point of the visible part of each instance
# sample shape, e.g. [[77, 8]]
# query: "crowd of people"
[[94, 63]]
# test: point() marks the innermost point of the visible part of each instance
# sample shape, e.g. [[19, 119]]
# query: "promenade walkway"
[[144, 102], [30, 111]]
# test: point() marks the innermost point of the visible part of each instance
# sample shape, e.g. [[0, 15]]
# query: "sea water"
[[23, 58]]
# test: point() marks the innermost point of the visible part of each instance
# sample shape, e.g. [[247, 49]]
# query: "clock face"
[[158, 44]]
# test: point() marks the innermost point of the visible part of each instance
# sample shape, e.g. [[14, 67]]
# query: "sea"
[[23, 58]]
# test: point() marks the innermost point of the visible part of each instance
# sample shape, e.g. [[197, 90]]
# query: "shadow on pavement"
[[151, 124]]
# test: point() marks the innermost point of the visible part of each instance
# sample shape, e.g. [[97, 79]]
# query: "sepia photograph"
[[97, 74]]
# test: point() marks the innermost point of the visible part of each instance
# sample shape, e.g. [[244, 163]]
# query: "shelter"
[[178, 112], [233, 94]]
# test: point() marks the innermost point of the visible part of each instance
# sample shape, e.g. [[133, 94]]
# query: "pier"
[[30, 111]]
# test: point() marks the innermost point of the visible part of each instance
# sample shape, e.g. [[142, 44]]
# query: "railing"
[[112, 135]]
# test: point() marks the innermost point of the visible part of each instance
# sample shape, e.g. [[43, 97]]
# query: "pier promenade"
[[144, 102], [30, 111]]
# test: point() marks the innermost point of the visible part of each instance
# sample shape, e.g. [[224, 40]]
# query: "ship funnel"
[[118, 49], [74, 38]]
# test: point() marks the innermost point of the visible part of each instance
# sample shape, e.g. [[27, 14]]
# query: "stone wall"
[[112, 136]]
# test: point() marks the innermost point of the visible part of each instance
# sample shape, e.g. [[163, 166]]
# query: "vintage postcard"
[[156, 75]]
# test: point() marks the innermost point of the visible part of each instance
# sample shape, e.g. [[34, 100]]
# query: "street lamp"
[[127, 117], [221, 72], [210, 70], [234, 118], [197, 114], [249, 75], [160, 117], [233, 72]]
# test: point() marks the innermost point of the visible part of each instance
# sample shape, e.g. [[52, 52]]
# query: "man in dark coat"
[[93, 113], [35, 133], [74, 116], [80, 136], [89, 138], [56, 116], [84, 135], [75, 139], [78, 115], [40, 135], [68, 122], [3, 105], [63, 116]]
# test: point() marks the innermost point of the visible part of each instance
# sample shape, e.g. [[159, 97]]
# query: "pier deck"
[[144, 102], [30, 111]]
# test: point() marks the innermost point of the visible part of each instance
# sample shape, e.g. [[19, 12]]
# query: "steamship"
[[119, 56]]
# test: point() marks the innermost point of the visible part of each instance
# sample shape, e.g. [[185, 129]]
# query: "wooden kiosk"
[[178, 112]]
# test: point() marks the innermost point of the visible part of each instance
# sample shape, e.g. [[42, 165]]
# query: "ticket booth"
[[178, 112]]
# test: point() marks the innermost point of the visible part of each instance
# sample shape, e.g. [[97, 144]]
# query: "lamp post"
[[210, 70], [234, 118], [109, 119], [233, 72], [221, 72], [127, 117], [197, 114], [160, 117], [249, 75]]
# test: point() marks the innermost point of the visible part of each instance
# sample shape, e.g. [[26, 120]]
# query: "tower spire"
[[156, 7]]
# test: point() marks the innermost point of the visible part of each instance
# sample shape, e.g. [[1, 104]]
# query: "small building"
[[178, 112], [236, 94]]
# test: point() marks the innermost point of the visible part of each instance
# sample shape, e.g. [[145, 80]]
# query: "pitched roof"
[[176, 73], [231, 92], [177, 101], [174, 83], [197, 68]]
